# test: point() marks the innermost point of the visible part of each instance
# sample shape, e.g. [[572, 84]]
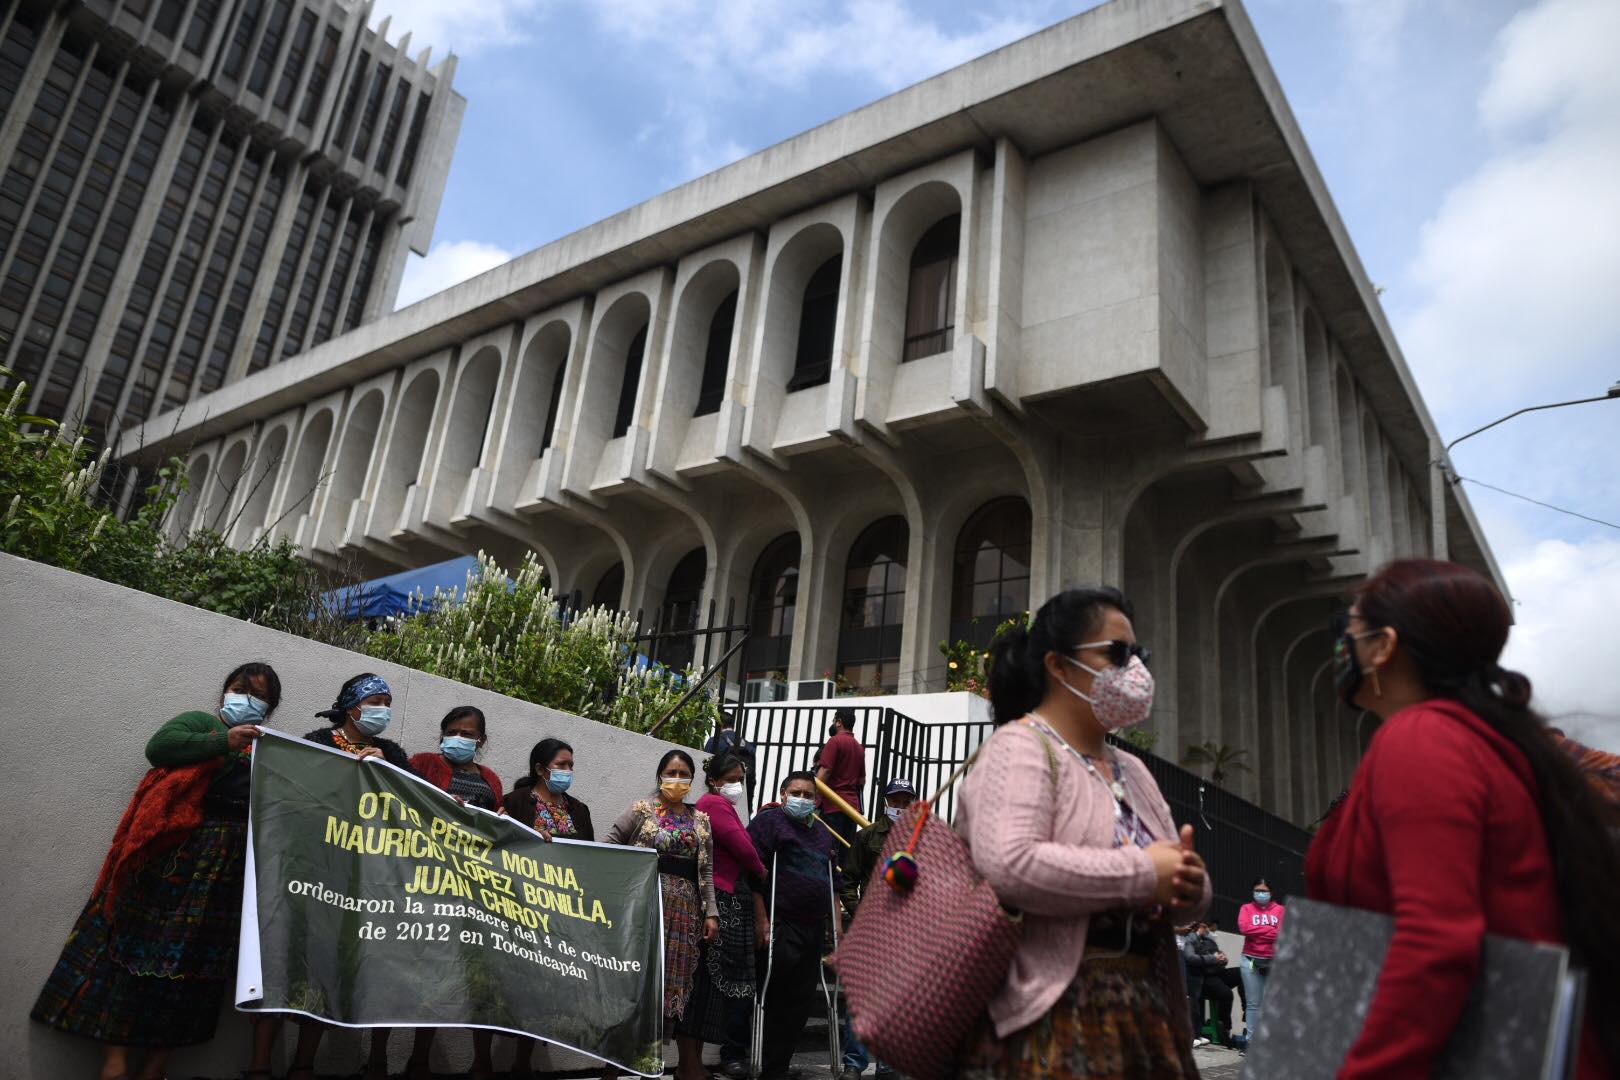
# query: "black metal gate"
[[1238, 840]]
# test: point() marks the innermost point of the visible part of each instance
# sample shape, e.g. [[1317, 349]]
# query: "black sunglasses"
[[1120, 652]]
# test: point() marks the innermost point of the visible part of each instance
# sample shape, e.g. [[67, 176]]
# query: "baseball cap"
[[900, 787]]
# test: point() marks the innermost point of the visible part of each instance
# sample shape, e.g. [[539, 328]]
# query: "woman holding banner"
[[681, 835], [362, 712], [541, 800], [156, 944]]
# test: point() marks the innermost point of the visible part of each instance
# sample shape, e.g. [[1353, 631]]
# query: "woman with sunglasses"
[[1464, 818], [1075, 835]]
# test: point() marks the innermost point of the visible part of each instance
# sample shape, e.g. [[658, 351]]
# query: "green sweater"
[[187, 739]]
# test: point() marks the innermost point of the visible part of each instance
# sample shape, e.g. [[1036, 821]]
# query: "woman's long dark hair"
[[1453, 623], [1018, 656]]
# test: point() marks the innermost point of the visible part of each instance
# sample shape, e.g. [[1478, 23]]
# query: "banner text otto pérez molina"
[[376, 899]]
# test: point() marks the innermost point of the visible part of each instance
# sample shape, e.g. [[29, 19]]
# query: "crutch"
[[756, 1046], [835, 1030]]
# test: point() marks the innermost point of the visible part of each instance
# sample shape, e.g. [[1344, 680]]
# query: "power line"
[[1538, 502]]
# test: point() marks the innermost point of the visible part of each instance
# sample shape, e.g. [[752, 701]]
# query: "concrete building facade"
[[194, 190], [1080, 310]]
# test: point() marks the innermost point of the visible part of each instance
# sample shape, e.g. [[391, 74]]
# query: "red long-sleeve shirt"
[[1442, 830]]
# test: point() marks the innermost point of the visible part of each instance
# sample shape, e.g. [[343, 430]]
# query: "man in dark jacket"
[[1205, 962]]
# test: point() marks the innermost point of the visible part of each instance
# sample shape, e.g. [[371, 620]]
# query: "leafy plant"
[[510, 635], [1219, 757], [967, 667], [1142, 738]]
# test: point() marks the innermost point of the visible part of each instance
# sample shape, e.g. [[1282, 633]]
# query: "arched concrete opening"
[[874, 595], [1282, 370], [412, 419], [262, 483], [700, 351], [1318, 382], [990, 570], [306, 478], [773, 597], [222, 489], [912, 219], [468, 431], [185, 507], [611, 376], [801, 257], [540, 389], [680, 609], [1372, 451], [1395, 487], [1350, 464], [358, 443]]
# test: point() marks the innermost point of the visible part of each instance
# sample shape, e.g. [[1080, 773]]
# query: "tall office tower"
[[192, 190]]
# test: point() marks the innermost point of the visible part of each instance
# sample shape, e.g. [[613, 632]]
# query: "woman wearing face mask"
[[723, 991], [1465, 817], [681, 835], [1076, 836], [153, 950], [1259, 921], [362, 712], [452, 769], [543, 800]]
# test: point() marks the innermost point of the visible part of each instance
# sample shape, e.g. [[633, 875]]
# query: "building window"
[[990, 583], [712, 390], [818, 318], [931, 301], [680, 610], [627, 388], [874, 606], [773, 596], [610, 589]]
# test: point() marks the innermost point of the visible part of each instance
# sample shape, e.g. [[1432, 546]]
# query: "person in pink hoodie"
[[1259, 922]]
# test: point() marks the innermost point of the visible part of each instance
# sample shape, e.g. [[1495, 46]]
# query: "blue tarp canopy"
[[396, 594]]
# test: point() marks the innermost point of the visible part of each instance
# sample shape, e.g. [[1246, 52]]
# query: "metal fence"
[[1238, 840]]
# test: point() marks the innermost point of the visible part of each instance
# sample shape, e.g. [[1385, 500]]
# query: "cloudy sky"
[[1471, 145]]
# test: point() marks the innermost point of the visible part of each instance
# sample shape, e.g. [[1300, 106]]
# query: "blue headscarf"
[[354, 693]]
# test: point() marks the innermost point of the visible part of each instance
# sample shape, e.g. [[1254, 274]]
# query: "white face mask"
[[894, 812], [1120, 696], [731, 792]]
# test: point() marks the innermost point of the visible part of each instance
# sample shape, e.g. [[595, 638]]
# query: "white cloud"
[[462, 26], [888, 43], [1374, 28], [1519, 268], [447, 263], [1566, 596]]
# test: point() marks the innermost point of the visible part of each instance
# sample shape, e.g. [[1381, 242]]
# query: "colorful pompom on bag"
[[930, 944]]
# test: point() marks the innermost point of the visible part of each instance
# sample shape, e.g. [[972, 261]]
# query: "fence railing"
[[1238, 840]]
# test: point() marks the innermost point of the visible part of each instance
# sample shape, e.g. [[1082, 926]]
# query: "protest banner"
[[372, 898]]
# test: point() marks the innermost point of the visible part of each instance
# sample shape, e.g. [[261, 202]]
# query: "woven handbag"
[[920, 965]]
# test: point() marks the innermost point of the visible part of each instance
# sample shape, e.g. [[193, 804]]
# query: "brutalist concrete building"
[[1079, 310], [193, 190]]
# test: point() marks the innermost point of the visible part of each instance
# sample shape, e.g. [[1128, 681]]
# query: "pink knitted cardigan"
[[1051, 855]]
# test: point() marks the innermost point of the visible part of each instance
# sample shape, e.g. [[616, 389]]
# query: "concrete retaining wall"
[[88, 671]]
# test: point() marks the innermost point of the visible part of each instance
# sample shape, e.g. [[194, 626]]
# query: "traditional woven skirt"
[[683, 936], [1114, 1022], [727, 972], [153, 975]]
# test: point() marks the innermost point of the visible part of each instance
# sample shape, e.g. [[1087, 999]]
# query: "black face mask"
[[1347, 673]]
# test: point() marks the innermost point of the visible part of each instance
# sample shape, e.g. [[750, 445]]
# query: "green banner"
[[373, 898]]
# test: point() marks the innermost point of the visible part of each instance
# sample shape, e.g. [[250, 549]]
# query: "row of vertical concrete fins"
[[196, 189], [1131, 360]]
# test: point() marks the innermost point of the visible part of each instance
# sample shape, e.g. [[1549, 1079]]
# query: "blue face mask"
[[560, 780], [374, 719], [799, 806], [458, 748], [1262, 897], [242, 709]]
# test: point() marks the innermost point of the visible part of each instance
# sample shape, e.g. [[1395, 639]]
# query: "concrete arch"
[[1372, 452], [1318, 382], [357, 445], [537, 403], [789, 273], [695, 308], [897, 234], [305, 478], [1417, 522], [1350, 461], [412, 421], [1282, 369], [1395, 489], [615, 332], [185, 507], [268, 460], [223, 487], [659, 559], [472, 412]]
